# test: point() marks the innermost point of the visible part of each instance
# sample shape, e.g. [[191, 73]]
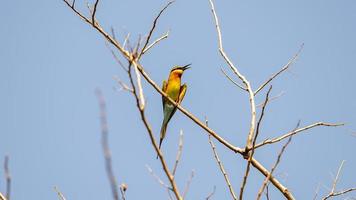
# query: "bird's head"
[[178, 70]]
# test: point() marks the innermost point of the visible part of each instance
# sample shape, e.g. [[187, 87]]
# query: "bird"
[[173, 88]]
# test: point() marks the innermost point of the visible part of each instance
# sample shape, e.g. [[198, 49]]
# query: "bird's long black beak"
[[185, 67]]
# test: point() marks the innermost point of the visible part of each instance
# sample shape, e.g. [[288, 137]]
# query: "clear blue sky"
[[51, 62]]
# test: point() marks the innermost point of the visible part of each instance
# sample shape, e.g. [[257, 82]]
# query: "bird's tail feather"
[[163, 134]]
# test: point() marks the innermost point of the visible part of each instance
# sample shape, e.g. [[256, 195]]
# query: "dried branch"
[[284, 68], [2, 197], [179, 153], [153, 28], [244, 180], [155, 42], [339, 193], [265, 182], [156, 177], [186, 189], [277, 139], [123, 86], [271, 99], [94, 12], [332, 193], [7, 177], [105, 144], [115, 57], [232, 81], [222, 169], [211, 194], [140, 90], [59, 193], [240, 76]]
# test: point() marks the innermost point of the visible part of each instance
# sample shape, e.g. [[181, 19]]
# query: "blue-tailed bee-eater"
[[173, 88]]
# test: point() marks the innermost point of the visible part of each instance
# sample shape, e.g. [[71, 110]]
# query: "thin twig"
[[222, 169], [277, 139], [115, 57], [7, 177], [123, 86], [179, 152], [155, 176], [332, 193], [339, 193], [267, 179], [187, 185], [316, 192], [220, 164], [244, 180], [126, 40], [232, 81], [105, 144], [271, 99], [211, 194], [267, 192], [240, 76], [59, 193], [155, 42], [94, 12], [284, 68], [153, 28]]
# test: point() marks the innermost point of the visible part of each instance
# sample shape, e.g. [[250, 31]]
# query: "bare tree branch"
[[244, 180], [222, 169], [155, 42], [277, 139], [59, 193], [265, 182], [94, 11], [232, 81], [271, 99], [339, 193], [332, 193], [155, 176], [7, 177], [211, 194], [179, 153], [187, 185], [240, 76], [220, 164], [105, 144], [284, 68], [153, 28]]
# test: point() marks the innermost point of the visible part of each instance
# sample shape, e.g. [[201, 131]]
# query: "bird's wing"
[[171, 109], [164, 88], [183, 89]]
